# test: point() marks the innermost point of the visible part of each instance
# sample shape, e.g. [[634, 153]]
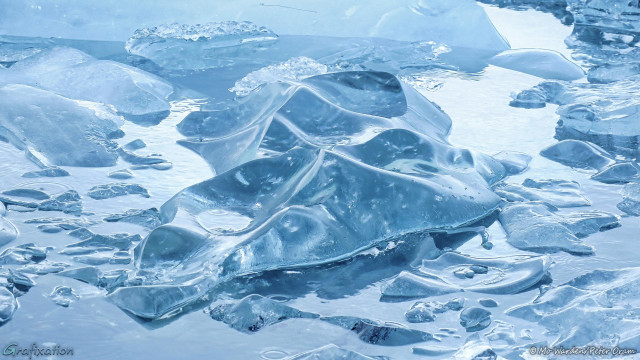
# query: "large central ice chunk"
[[341, 162]]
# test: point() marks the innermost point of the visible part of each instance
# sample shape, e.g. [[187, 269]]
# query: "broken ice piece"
[[379, 333], [476, 349], [8, 231], [8, 305], [409, 285], [330, 352], [121, 241], [19, 278], [490, 303], [121, 174], [52, 171], [100, 192], [630, 199], [90, 275], [504, 275], [537, 227], [559, 193], [135, 145], [619, 173], [425, 311], [23, 254], [68, 202], [149, 218], [420, 312], [514, 162], [475, 319], [255, 312], [578, 154], [63, 296]]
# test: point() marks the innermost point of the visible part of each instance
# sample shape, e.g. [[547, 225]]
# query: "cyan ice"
[[36, 121], [586, 309], [76, 75], [506, 275], [547, 64], [558, 193], [461, 23], [354, 159], [536, 226]]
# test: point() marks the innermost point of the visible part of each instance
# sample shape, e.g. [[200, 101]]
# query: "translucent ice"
[[579, 154], [631, 199], [585, 310], [46, 172], [178, 47], [291, 70], [63, 296], [108, 191], [461, 23], [547, 64], [79, 140], [604, 114], [379, 333], [558, 193], [67, 202], [8, 231], [619, 173], [426, 311], [505, 275], [122, 241], [514, 162], [330, 352], [537, 227], [76, 75], [475, 319], [337, 144], [8, 305], [149, 218], [255, 312]]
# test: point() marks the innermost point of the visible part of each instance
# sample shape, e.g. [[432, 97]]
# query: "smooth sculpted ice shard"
[[57, 130], [603, 114], [139, 96], [547, 64], [587, 309], [453, 272], [537, 226], [354, 159]]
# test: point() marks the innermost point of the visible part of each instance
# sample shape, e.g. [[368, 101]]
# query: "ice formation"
[[462, 24], [583, 310], [73, 74], [558, 193], [84, 139], [308, 183], [255, 312], [546, 64], [441, 276], [537, 227]]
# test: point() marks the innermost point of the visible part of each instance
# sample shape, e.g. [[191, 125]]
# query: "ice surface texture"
[[508, 275], [546, 64], [586, 309], [76, 75], [35, 120], [356, 159], [460, 23]]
